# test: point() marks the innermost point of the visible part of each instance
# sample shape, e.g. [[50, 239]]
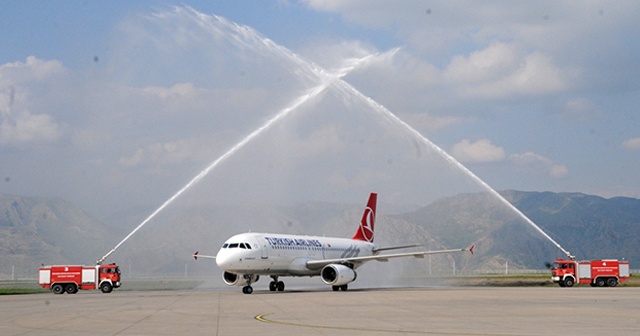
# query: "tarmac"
[[397, 311]]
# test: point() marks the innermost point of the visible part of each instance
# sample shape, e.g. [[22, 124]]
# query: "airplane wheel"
[[335, 288], [247, 289], [273, 286], [280, 286], [344, 288]]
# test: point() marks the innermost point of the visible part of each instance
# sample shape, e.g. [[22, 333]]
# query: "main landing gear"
[[276, 285]]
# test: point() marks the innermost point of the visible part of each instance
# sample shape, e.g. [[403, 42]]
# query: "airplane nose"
[[222, 259]]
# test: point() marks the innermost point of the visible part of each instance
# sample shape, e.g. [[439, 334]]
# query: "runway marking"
[[261, 318]]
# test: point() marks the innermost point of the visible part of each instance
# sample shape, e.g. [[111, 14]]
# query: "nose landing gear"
[[248, 289]]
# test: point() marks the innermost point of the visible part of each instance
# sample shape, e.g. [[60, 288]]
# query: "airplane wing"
[[317, 264], [376, 250], [197, 255]]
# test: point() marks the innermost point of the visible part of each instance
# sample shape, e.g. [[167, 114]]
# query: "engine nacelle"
[[337, 275], [234, 279]]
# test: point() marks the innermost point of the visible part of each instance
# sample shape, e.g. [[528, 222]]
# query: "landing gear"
[[337, 288], [276, 285], [248, 289]]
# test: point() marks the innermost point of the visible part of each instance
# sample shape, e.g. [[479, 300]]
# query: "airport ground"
[[443, 310]]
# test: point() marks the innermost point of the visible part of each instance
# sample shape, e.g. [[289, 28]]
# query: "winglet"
[[195, 255], [471, 248]]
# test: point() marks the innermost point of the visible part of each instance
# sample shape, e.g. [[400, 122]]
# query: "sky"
[[117, 105]]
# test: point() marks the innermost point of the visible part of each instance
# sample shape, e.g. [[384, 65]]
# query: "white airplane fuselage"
[[286, 255]]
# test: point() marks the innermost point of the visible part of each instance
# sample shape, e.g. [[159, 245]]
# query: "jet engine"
[[234, 279], [337, 275]]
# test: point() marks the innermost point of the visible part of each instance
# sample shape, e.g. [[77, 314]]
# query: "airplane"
[[247, 256]]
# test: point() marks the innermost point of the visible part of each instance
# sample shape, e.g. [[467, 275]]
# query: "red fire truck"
[[70, 279], [597, 273]]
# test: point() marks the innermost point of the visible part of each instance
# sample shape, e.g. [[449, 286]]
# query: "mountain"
[[39, 230], [590, 227]]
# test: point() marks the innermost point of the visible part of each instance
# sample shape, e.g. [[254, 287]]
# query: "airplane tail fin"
[[365, 230]]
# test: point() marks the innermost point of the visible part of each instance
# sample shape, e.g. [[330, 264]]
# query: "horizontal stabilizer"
[[197, 255]]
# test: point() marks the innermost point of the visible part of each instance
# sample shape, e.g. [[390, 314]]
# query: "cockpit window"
[[246, 246]]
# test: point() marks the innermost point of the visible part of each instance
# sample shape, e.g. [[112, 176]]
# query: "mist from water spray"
[[348, 90], [327, 81], [245, 37]]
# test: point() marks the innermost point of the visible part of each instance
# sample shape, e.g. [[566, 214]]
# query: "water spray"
[[327, 81], [241, 36], [349, 89], [391, 116]]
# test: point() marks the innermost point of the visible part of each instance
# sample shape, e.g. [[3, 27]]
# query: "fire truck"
[[597, 273], [70, 279]]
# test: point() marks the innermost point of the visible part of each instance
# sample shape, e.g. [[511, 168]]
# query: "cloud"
[[28, 128], [632, 144], [539, 163], [32, 69], [480, 151], [166, 153], [18, 125], [501, 70]]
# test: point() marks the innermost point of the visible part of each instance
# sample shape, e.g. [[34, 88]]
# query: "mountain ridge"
[[37, 230]]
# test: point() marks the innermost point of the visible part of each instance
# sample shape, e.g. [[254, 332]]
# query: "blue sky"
[[116, 105]]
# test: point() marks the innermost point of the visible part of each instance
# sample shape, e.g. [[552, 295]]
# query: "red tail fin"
[[365, 230]]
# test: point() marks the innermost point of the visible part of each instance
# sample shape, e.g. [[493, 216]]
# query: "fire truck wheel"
[[600, 282], [57, 289], [612, 282], [568, 282], [106, 287], [71, 289]]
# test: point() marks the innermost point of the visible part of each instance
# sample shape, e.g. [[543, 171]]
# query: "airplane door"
[[264, 249]]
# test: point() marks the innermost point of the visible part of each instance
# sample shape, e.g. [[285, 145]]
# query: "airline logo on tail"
[[365, 231]]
